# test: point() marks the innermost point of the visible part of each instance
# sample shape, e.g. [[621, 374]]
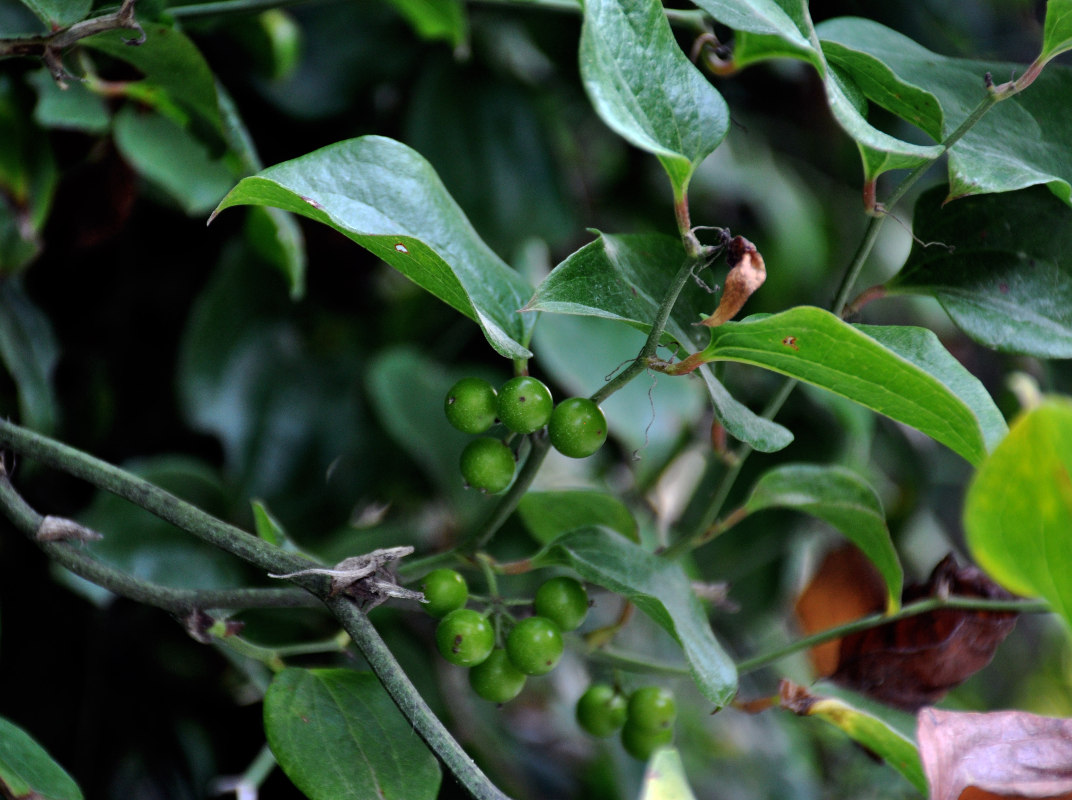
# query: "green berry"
[[577, 427], [496, 678], [601, 711], [534, 645], [444, 590], [652, 708], [465, 637], [471, 405], [564, 601], [525, 404], [487, 464], [641, 743]]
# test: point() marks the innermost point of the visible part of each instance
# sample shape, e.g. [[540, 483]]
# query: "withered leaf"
[[747, 274], [1001, 754], [913, 662]]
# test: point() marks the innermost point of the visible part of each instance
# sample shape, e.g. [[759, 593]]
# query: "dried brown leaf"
[[747, 274], [1002, 754]]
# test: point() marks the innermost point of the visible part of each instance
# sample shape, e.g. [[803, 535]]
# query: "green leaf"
[[869, 731], [901, 372], [384, 196], [29, 350], [1021, 142], [73, 108], [664, 778], [842, 498], [59, 13], [1000, 265], [645, 89], [760, 433], [659, 588], [169, 158], [783, 28], [27, 770], [178, 81], [267, 526], [1057, 30], [548, 515], [338, 736], [1018, 511], [436, 19]]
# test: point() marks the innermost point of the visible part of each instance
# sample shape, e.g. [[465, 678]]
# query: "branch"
[[50, 47], [177, 601]]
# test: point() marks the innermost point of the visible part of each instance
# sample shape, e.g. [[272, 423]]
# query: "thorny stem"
[[410, 702], [177, 601], [874, 620]]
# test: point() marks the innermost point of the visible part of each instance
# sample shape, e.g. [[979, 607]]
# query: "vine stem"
[[409, 700], [873, 621]]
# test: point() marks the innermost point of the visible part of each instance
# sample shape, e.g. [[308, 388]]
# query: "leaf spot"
[[312, 202], [790, 341], [401, 248]]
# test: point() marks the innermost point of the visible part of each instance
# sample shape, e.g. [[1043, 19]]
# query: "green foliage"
[[26, 770]]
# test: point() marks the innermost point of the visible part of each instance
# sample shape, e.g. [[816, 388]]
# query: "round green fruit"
[[652, 708], [525, 404], [496, 678], [564, 601], [601, 711], [487, 464], [471, 405], [641, 743], [577, 427], [465, 637], [535, 645], [444, 590]]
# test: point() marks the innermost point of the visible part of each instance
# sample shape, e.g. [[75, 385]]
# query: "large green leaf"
[[1057, 30], [178, 81], [1000, 265], [72, 108], [842, 498], [338, 736], [901, 372], [658, 587], [387, 198], [783, 28], [1022, 141], [29, 351], [1018, 511], [59, 13], [646, 89], [548, 515], [27, 770]]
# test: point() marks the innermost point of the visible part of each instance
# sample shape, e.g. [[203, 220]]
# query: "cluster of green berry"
[[645, 718], [532, 647], [576, 427]]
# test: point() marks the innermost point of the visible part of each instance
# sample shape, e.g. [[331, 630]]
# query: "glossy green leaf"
[[548, 515], [436, 19], [743, 424], [783, 28], [1000, 265], [338, 736], [1023, 141], [1057, 30], [625, 277], [842, 498], [266, 525], [664, 778], [29, 351], [658, 587], [1018, 511], [873, 734], [899, 371], [27, 770], [172, 160], [645, 88], [178, 81], [59, 13], [387, 198]]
